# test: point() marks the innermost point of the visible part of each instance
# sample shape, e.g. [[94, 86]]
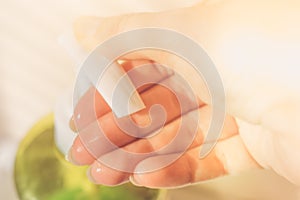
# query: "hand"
[[267, 121], [90, 148]]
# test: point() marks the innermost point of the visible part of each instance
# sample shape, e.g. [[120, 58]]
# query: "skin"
[[187, 169], [249, 140]]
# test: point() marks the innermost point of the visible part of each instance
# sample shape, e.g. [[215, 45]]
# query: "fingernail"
[[134, 181], [89, 175], [95, 169], [72, 124], [69, 157]]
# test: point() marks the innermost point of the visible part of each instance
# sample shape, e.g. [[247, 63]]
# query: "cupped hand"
[[243, 38]]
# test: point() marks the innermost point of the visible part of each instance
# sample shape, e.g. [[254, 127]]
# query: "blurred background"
[[35, 69]]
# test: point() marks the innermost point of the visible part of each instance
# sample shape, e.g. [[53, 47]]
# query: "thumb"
[[91, 31]]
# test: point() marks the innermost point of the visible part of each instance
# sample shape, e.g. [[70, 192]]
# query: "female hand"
[[235, 34]]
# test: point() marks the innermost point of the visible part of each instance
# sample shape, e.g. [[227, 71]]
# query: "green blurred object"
[[42, 173]]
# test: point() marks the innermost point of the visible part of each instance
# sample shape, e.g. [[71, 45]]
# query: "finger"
[[175, 137], [89, 108], [72, 124], [194, 137], [101, 174], [120, 138], [230, 156], [78, 154], [92, 105], [117, 136], [91, 31], [145, 71], [154, 143]]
